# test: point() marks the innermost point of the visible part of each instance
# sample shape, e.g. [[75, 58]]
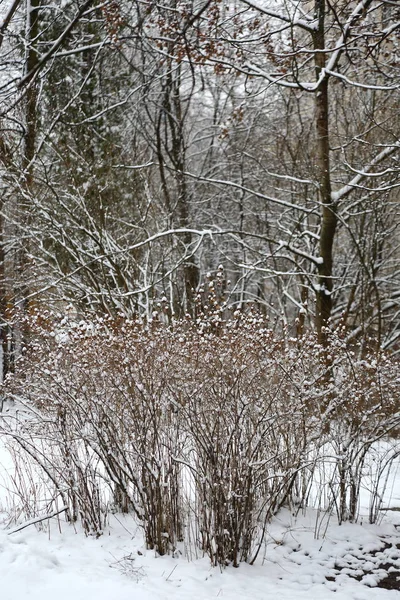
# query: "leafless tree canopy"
[[143, 144]]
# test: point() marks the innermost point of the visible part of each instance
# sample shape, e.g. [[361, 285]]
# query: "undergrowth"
[[202, 432]]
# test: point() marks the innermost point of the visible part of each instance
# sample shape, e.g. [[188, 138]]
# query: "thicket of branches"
[[204, 431], [142, 144]]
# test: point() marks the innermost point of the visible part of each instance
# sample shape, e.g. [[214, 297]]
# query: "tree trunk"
[[20, 275], [328, 216]]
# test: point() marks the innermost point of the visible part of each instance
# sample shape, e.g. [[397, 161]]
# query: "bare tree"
[[158, 141], [324, 55]]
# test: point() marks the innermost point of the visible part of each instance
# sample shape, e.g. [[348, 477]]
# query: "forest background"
[[143, 145]]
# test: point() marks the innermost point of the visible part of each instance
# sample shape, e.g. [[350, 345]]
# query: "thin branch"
[[37, 520], [40, 64]]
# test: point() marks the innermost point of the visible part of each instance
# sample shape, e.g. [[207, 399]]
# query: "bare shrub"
[[245, 424], [203, 432], [364, 409]]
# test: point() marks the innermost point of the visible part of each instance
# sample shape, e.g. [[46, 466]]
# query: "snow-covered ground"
[[342, 563], [52, 565]]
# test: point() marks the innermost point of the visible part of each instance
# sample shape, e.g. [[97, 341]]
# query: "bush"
[[200, 430]]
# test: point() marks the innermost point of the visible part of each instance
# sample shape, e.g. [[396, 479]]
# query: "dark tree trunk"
[[328, 212]]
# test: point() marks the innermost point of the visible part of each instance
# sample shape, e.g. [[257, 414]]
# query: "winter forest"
[[199, 265]]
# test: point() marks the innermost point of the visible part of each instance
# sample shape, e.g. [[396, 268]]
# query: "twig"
[[37, 520], [171, 572]]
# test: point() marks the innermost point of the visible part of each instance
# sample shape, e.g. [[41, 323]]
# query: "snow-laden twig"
[[37, 520]]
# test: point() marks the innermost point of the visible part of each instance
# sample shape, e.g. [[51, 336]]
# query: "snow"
[[305, 556], [38, 565]]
